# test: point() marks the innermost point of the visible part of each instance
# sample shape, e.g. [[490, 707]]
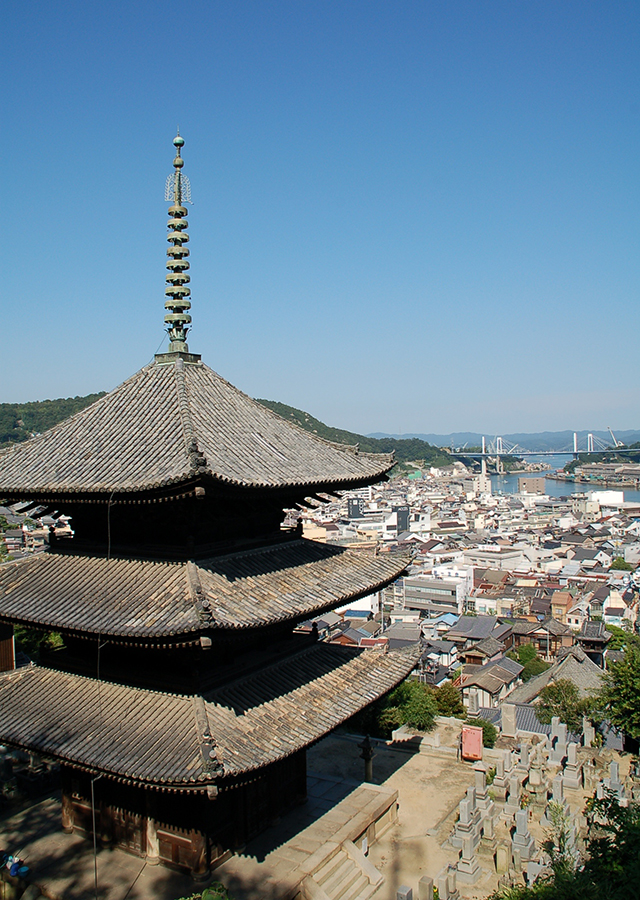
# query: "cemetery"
[[423, 819]]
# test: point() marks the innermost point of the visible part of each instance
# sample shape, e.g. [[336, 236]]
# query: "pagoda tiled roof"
[[150, 600], [176, 741], [173, 422]]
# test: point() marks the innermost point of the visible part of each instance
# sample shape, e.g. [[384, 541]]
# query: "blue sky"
[[408, 217]]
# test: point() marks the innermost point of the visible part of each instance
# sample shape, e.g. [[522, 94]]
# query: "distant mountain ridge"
[[534, 441]]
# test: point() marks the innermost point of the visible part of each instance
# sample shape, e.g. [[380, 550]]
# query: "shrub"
[[420, 708], [489, 731], [411, 703], [620, 564], [534, 667], [611, 866], [448, 701], [562, 698]]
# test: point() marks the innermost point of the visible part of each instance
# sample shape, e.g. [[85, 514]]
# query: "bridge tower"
[[499, 452], [590, 447]]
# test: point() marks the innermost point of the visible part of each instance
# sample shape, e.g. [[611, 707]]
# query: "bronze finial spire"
[[177, 190]]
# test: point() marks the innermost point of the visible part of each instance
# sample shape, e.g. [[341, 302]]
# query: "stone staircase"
[[320, 861], [344, 874]]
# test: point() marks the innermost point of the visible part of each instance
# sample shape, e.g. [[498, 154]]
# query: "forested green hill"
[[19, 421], [406, 450]]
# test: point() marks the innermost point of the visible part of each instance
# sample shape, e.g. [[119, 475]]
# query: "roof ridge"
[[197, 462], [212, 762], [200, 602]]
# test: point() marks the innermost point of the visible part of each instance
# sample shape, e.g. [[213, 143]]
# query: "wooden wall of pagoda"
[[185, 830], [7, 648]]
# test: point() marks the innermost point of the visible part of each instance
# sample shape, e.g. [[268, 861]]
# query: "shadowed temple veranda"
[[181, 681]]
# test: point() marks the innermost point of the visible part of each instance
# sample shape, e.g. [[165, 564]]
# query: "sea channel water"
[[508, 484]]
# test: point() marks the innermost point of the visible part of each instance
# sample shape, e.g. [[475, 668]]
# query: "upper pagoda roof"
[[174, 421]]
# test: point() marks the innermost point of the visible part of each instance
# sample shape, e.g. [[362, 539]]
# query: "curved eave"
[[121, 493], [163, 604], [166, 741], [169, 424]]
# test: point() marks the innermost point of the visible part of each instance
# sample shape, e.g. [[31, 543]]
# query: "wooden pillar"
[[153, 842], [7, 648], [200, 859], [67, 802], [104, 822], [67, 812]]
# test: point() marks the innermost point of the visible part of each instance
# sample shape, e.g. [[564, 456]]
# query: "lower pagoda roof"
[[177, 742], [151, 601]]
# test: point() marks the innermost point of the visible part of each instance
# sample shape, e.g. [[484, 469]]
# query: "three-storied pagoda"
[[182, 695]]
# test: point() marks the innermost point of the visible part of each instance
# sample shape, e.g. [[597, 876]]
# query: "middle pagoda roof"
[[155, 602], [172, 741], [173, 423]]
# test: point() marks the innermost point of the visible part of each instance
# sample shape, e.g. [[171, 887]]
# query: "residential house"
[[561, 602], [483, 652], [493, 681], [469, 630], [593, 638], [572, 664], [548, 637]]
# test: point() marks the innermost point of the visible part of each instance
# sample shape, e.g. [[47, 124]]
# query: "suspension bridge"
[[498, 447]]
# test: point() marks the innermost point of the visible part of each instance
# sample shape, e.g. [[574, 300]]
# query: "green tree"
[[527, 656], [621, 564], [34, 642], [562, 698], [557, 839], [619, 637], [535, 667], [611, 869], [410, 703], [419, 709], [621, 690], [448, 701]]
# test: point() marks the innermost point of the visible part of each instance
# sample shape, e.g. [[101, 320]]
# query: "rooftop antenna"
[[177, 191]]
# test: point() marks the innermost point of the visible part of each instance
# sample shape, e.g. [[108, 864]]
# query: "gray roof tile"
[[135, 598], [574, 665], [170, 423], [152, 737]]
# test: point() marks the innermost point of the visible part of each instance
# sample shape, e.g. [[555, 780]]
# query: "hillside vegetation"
[[19, 421], [405, 449]]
